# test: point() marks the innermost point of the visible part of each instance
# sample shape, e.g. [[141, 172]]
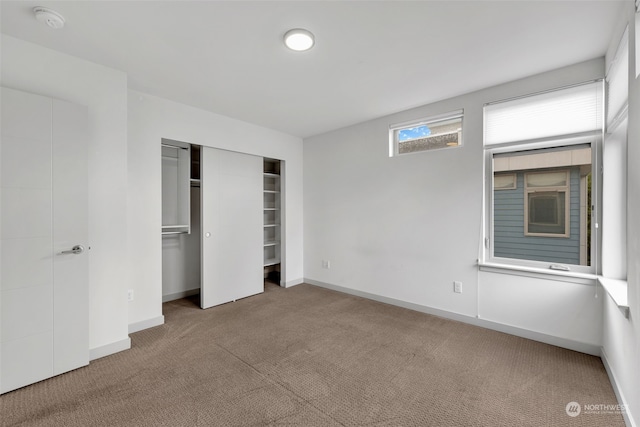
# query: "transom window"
[[427, 134]]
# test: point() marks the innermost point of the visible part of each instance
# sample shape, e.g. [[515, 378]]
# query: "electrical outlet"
[[457, 287], [326, 264], [130, 295]]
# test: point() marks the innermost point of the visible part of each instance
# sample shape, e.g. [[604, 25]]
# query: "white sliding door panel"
[[43, 294], [231, 191]]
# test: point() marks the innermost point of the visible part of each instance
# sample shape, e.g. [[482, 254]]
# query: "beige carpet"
[[307, 356]]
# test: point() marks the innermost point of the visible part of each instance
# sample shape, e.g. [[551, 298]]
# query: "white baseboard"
[[146, 324], [179, 295], [108, 349], [291, 283], [591, 349], [628, 418]]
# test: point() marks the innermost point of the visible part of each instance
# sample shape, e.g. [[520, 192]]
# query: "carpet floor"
[[308, 356]]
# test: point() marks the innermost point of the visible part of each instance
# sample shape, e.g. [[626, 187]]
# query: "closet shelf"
[[165, 227], [272, 243]]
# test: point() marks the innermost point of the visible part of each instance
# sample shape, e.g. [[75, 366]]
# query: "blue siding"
[[508, 233]]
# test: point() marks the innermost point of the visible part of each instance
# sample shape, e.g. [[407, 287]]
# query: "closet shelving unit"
[[176, 159], [272, 219]]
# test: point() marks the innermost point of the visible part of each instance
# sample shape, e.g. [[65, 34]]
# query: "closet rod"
[[174, 146]]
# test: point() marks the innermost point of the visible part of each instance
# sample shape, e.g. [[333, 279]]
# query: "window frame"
[[395, 129], [595, 139]]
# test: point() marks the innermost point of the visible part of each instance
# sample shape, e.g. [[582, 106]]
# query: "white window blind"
[[618, 81], [566, 111]]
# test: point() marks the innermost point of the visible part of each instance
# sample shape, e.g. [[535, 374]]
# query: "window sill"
[[617, 290], [541, 273]]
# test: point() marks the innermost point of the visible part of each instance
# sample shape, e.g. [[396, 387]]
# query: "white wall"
[[124, 205], [125, 249], [32, 68], [404, 228], [150, 120], [621, 336]]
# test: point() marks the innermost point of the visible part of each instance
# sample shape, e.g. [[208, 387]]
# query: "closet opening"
[[181, 254], [222, 224], [272, 219]]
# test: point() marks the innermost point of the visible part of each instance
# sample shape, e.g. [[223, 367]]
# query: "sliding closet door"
[[231, 188]]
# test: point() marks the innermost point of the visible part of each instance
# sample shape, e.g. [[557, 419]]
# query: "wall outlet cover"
[[457, 287]]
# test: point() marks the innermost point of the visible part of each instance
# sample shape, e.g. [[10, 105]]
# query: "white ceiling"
[[370, 59]]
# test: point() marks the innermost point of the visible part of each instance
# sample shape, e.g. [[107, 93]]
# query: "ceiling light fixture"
[[49, 17], [299, 39]]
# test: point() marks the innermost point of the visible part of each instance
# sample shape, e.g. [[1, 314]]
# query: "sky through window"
[[414, 133]]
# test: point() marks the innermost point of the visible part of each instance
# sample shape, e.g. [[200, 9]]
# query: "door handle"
[[77, 249]]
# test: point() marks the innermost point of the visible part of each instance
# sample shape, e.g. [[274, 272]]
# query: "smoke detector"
[[49, 17]]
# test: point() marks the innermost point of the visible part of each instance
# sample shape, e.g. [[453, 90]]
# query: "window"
[[614, 164], [618, 84], [546, 204], [504, 181], [428, 134], [540, 209], [542, 197]]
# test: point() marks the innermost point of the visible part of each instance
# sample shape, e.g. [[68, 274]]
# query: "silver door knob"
[[77, 249]]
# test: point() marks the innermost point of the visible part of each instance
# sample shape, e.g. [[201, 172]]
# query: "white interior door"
[[231, 191], [44, 301]]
